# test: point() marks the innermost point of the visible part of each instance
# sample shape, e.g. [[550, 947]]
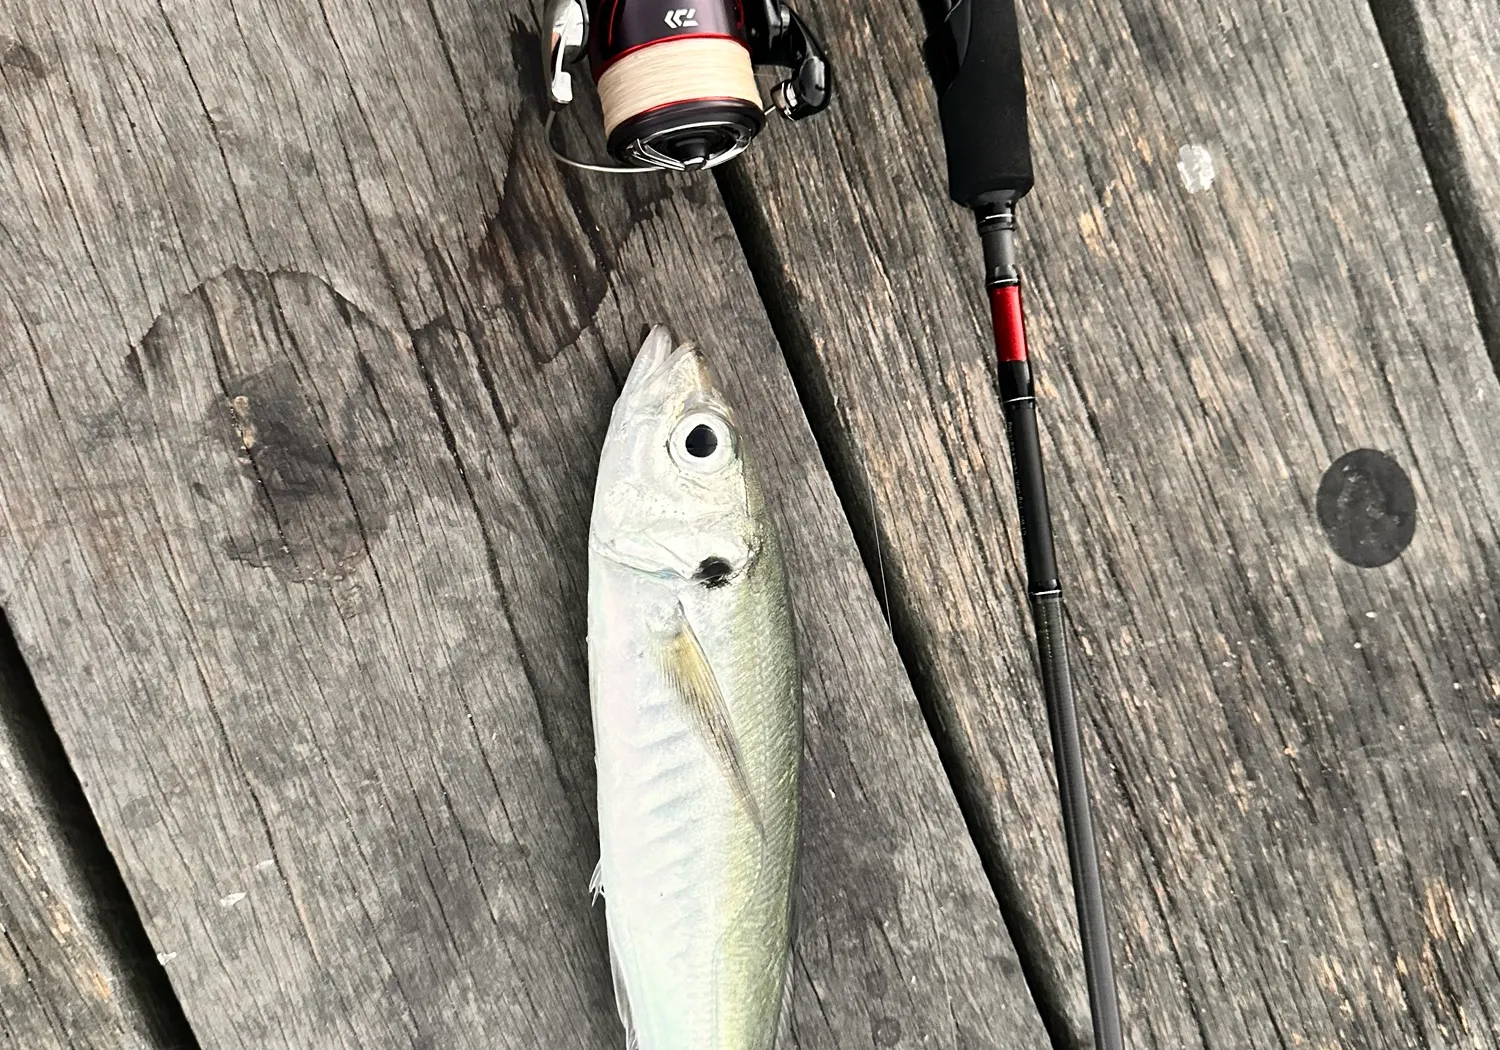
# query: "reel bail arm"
[[569, 32]]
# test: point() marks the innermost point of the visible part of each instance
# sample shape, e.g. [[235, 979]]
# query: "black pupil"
[[701, 441]]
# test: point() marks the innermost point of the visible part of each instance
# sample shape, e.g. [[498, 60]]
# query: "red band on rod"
[[1010, 326]]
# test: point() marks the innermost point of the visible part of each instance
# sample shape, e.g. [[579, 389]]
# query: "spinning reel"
[[677, 83]]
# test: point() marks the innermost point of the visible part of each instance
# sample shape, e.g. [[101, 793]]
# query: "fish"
[[697, 715]]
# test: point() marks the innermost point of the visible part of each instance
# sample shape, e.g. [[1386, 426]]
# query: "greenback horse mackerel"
[[697, 716]]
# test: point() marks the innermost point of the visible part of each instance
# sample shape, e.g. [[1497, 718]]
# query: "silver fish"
[[697, 716]]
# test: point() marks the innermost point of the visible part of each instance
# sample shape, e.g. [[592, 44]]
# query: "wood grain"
[[75, 971], [309, 350], [1446, 54], [1293, 757]]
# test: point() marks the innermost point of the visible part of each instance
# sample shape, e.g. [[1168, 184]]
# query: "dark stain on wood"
[[268, 423], [1150, 34], [543, 260], [308, 529], [19, 58], [1367, 508]]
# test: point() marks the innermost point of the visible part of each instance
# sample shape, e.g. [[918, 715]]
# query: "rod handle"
[[973, 54]]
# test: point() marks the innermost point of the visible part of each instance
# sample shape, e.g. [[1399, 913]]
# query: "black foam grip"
[[974, 55]]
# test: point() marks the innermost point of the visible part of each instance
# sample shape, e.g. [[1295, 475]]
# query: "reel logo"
[[682, 17]]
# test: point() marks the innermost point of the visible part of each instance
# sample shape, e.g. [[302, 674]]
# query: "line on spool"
[[680, 69]]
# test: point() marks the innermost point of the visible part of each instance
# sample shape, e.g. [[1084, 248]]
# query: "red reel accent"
[[603, 66], [619, 27]]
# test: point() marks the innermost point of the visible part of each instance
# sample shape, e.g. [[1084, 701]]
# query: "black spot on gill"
[[713, 572]]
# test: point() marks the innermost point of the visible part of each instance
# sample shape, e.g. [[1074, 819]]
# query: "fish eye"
[[702, 442]]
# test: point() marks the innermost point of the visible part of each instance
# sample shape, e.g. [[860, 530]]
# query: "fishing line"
[[676, 83], [973, 53], [885, 595]]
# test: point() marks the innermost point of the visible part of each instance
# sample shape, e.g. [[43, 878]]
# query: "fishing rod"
[[676, 78], [973, 53]]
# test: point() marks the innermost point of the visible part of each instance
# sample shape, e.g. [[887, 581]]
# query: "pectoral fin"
[[687, 670]]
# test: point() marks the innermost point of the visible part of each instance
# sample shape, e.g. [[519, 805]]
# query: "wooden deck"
[[306, 351]]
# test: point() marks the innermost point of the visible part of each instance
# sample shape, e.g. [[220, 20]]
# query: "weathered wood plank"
[[1293, 756], [309, 349], [1446, 54], [76, 972]]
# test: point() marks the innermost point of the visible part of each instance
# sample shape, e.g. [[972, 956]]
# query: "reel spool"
[[677, 83]]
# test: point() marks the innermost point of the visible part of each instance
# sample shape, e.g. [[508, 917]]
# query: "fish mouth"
[[660, 356], [655, 349]]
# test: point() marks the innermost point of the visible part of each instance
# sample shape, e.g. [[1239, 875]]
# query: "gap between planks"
[[91, 875], [1438, 139]]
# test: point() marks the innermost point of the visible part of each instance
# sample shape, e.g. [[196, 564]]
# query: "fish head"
[[674, 496]]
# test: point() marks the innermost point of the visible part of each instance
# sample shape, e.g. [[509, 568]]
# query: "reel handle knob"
[[786, 41], [805, 92]]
